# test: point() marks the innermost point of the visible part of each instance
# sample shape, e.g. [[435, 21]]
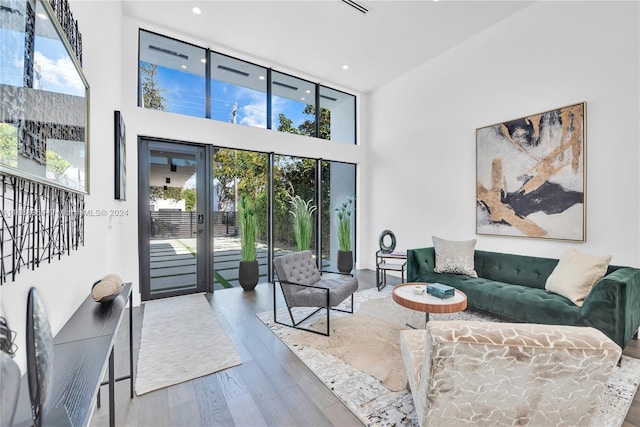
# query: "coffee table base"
[[426, 320]]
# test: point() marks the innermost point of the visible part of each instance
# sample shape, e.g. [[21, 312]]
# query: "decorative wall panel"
[[40, 223]]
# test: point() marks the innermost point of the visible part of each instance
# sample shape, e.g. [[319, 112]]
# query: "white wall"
[[64, 284], [421, 164]]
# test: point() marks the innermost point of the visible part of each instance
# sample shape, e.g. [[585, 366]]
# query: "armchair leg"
[[296, 325]]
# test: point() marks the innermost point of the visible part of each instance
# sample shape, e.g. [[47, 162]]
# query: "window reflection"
[[172, 75], [238, 91]]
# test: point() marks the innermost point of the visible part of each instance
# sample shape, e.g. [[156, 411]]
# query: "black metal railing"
[[181, 225]]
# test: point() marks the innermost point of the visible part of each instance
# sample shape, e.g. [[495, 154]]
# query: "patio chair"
[[303, 286]]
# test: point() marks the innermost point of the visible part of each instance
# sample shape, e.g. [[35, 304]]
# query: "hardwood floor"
[[270, 388]]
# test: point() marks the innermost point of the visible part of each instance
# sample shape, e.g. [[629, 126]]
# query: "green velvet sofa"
[[513, 287]]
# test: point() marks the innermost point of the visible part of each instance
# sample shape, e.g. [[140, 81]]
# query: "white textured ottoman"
[[488, 373]]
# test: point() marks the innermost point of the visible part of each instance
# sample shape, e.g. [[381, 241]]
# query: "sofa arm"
[[613, 305], [420, 262]]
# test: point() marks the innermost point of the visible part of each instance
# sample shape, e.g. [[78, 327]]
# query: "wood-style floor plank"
[[271, 387]]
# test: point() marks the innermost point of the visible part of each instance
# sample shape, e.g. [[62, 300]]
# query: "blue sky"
[[184, 93], [56, 70]]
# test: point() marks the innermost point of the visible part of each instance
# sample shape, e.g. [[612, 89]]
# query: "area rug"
[[345, 364], [181, 340]]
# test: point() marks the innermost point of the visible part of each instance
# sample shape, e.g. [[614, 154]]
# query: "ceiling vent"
[[356, 6]]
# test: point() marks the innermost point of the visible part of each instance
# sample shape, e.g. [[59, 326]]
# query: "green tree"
[[8, 144], [161, 193], [308, 127], [247, 169], [189, 196], [151, 90], [56, 164]]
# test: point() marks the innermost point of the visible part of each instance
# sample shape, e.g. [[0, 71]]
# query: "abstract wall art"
[[120, 150], [531, 176]]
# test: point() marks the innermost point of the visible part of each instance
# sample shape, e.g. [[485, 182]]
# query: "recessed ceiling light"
[[302, 99], [196, 10], [261, 77], [203, 60], [184, 67], [42, 16], [345, 67], [307, 91]]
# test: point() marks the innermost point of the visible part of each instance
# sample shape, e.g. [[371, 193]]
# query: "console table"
[[82, 353], [388, 261]]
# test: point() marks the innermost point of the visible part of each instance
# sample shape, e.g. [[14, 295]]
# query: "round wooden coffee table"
[[427, 303]]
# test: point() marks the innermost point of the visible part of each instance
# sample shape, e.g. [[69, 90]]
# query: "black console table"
[[82, 352]]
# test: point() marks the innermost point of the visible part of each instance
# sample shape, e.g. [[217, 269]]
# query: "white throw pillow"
[[454, 256], [575, 275]]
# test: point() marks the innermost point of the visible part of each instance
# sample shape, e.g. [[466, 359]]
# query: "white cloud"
[[58, 75]]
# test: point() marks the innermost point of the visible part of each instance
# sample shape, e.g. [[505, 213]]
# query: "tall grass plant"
[[248, 229], [302, 221], [343, 214]]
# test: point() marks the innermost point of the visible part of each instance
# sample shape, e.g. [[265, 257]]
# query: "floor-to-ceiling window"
[[190, 237], [237, 173], [293, 177], [338, 188]]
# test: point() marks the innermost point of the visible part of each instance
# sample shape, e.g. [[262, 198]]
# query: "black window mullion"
[[319, 212], [317, 100], [271, 195], [269, 94], [207, 85]]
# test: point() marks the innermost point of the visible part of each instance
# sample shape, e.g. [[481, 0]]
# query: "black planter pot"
[[248, 275], [345, 261]]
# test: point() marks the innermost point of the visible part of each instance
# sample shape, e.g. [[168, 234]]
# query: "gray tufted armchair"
[[303, 286]]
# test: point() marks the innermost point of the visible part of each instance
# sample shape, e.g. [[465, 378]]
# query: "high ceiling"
[[315, 39]]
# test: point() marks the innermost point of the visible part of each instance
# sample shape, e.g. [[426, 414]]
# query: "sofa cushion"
[[512, 302], [517, 269], [575, 275], [454, 256]]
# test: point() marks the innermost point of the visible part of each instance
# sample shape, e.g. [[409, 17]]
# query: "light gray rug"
[[375, 405], [181, 340]]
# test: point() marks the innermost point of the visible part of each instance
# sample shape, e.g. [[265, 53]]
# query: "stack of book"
[[441, 291]]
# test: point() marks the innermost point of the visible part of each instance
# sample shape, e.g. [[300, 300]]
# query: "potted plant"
[[345, 255], [248, 273], [302, 221]]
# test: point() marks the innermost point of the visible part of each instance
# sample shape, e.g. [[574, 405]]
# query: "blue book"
[[441, 291]]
